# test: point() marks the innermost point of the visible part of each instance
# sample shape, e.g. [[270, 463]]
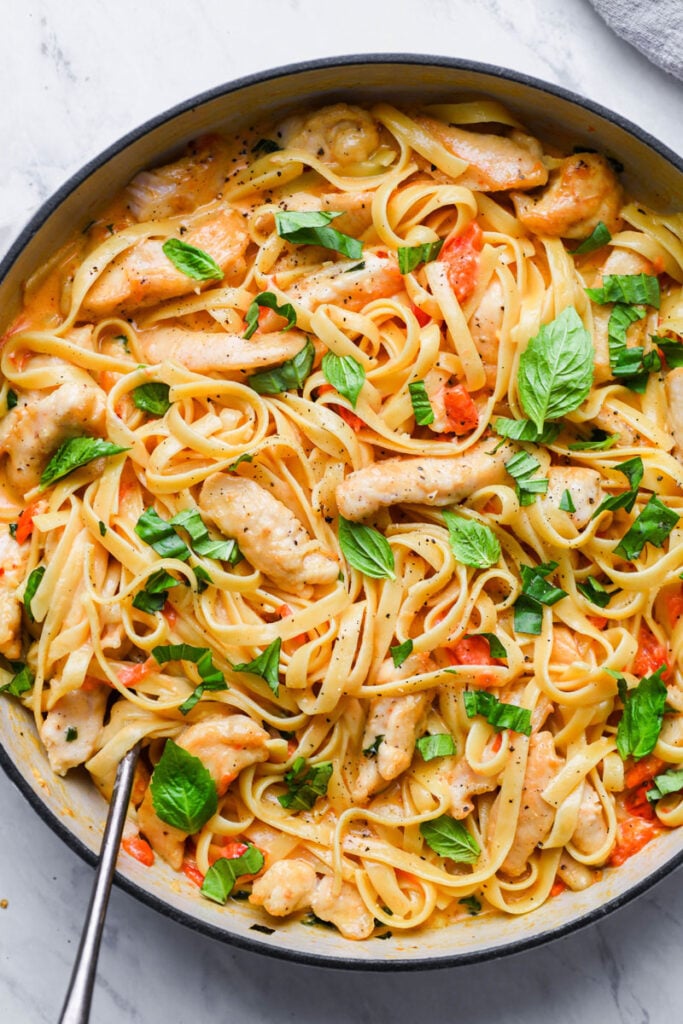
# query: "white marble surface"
[[73, 77]]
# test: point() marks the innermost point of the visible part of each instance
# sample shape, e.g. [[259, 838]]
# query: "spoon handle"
[[76, 1009]]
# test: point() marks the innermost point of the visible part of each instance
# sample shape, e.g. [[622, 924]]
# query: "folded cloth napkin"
[[655, 27]]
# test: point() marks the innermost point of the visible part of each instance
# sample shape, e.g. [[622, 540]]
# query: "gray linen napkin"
[[655, 27]]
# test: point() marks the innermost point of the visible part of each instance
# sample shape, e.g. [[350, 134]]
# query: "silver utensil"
[[76, 1009]]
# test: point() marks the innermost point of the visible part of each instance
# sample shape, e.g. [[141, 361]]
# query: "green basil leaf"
[[524, 430], [653, 526], [266, 665], [667, 782], [411, 256], [153, 597], [633, 471], [567, 502], [632, 289], [641, 721], [498, 714], [73, 454], [102, 528], [671, 350], [268, 300], [366, 549], [11, 399], [598, 237], [191, 261], [372, 750], [152, 398], [32, 584], [288, 377], [528, 615], [439, 744], [305, 783], [310, 227], [556, 369], [599, 442], [471, 542], [449, 838], [595, 592], [400, 652], [345, 374], [244, 457], [12, 529], [223, 550], [266, 146], [20, 683], [221, 877], [183, 791], [71, 734], [471, 904], [422, 407], [521, 467], [202, 577], [161, 536], [534, 585], [496, 648], [212, 677]]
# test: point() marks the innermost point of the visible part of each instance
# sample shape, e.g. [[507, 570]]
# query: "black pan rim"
[[13, 773]]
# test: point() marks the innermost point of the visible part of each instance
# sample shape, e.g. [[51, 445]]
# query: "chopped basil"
[[266, 665], [221, 877], [71, 734], [244, 457], [524, 430], [522, 467], [599, 236], [667, 782], [356, 266], [265, 146], [528, 616], [632, 289], [13, 529], [290, 376], [422, 407], [567, 502], [73, 454], [20, 683], [102, 528], [366, 549], [152, 398], [671, 350], [153, 597], [32, 585], [439, 744], [595, 592], [632, 364], [556, 369], [496, 713], [471, 542], [653, 526], [449, 838], [633, 471], [400, 652], [223, 550], [536, 591], [496, 648], [202, 577], [345, 374], [212, 678], [161, 536], [372, 750], [305, 783], [311, 227], [183, 791], [641, 721], [11, 399], [268, 300], [411, 256], [471, 904], [599, 442], [191, 261]]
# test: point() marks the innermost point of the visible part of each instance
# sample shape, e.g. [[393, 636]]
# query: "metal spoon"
[[76, 1009]]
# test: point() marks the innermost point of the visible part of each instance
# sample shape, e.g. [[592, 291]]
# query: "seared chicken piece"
[[584, 488], [343, 286], [207, 352], [225, 745], [71, 727], [591, 830], [338, 135], [535, 815], [583, 191], [284, 887], [182, 186], [13, 558]]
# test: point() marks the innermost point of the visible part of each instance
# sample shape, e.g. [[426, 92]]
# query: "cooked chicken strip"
[[184, 185], [429, 481], [496, 162], [13, 558], [345, 910], [284, 887], [340, 284], [207, 352], [591, 831], [71, 727], [144, 275], [225, 745], [535, 815], [31, 433], [581, 192], [355, 207], [583, 486], [338, 135], [166, 840], [464, 783], [267, 532]]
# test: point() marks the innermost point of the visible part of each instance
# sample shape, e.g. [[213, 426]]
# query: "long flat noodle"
[[421, 141], [472, 365], [478, 111]]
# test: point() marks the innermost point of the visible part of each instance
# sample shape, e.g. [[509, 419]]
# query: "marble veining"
[[75, 77]]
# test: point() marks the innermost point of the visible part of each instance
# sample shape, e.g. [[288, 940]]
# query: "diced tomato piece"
[[25, 522], [651, 655], [557, 887], [462, 413], [284, 611], [643, 771], [460, 253], [140, 849], [169, 613], [637, 803], [632, 835], [355, 422], [189, 868], [90, 683], [674, 604], [229, 848], [291, 746], [134, 674], [597, 621], [422, 318], [497, 743], [473, 650]]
